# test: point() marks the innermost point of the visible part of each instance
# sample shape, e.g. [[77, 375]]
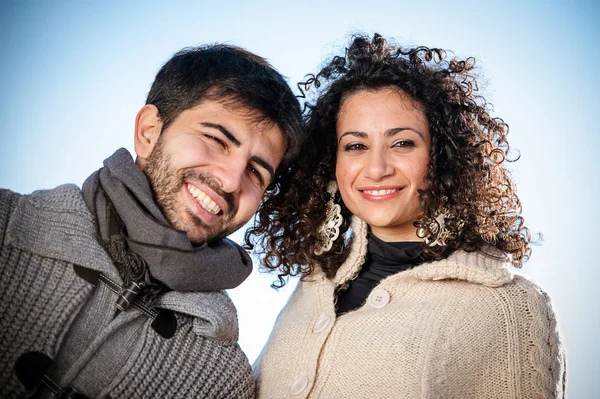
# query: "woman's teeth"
[[379, 192], [204, 200]]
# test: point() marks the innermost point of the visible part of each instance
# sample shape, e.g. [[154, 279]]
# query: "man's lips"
[[207, 199], [378, 194]]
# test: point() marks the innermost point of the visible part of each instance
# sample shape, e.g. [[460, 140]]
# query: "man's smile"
[[204, 200]]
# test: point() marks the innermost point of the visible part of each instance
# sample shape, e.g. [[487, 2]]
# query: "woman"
[[403, 220]]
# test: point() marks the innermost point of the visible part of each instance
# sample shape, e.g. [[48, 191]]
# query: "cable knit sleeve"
[[519, 340], [500, 342], [544, 365], [8, 202]]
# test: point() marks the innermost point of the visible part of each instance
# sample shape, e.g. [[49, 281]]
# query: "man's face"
[[209, 169]]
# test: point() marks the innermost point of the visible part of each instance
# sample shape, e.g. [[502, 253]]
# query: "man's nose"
[[231, 175]]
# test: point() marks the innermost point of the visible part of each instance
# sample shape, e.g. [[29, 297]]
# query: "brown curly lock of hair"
[[467, 174]]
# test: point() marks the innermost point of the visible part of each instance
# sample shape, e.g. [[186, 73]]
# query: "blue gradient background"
[[74, 74]]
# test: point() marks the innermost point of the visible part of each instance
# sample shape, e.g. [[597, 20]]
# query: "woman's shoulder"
[[527, 299], [528, 314], [514, 326], [489, 277], [527, 288]]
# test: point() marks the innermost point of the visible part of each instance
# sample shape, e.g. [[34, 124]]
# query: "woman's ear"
[[148, 127]]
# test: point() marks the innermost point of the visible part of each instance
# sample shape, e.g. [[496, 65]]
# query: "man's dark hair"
[[233, 77]]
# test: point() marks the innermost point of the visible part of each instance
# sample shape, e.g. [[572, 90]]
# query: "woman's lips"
[[379, 194]]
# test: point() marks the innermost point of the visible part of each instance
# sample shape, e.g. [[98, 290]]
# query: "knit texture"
[[463, 327], [42, 301]]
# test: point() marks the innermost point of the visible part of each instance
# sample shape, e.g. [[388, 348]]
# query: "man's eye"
[[217, 140], [256, 173]]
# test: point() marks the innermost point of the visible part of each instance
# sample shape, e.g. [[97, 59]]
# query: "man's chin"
[[199, 233], [198, 239]]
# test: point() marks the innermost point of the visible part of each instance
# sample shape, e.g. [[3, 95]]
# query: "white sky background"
[[74, 74]]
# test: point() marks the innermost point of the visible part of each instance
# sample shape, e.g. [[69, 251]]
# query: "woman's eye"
[[355, 147], [403, 144]]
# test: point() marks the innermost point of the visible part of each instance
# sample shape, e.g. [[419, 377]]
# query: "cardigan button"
[[321, 324], [378, 298], [299, 385]]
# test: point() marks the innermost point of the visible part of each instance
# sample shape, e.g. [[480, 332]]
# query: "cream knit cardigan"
[[463, 327]]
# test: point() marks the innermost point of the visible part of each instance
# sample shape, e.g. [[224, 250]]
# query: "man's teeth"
[[379, 192], [204, 200]]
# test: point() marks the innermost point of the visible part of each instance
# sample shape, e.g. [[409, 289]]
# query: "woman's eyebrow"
[[388, 133], [361, 135], [395, 130]]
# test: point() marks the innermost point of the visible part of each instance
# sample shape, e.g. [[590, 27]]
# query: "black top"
[[383, 260]]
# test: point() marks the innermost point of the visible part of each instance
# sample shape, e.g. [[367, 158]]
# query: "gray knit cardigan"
[[46, 308]]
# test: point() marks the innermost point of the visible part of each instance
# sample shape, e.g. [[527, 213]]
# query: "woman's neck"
[[395, 234]]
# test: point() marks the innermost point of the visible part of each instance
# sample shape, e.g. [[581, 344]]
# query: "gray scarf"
[[144, 246]]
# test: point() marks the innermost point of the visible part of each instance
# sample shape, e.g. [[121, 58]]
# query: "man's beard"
[[167, 186]]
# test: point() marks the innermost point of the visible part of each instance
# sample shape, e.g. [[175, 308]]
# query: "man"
[[115, 290]]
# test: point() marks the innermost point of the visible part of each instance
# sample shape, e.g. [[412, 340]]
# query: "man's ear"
[[148, 127]]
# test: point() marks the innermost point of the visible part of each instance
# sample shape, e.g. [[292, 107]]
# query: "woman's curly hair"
[[467, 177]]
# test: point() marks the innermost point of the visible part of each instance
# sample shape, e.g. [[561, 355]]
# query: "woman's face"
[[382, 158]]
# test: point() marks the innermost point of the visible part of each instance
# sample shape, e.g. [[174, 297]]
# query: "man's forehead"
[[257, 120]]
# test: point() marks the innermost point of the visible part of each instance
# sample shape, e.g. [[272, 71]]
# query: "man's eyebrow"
[[393, 131], [223, 130], [361, 135], [265, 165]]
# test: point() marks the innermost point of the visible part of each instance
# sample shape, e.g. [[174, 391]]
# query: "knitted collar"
[[488, 266], [121, 189]]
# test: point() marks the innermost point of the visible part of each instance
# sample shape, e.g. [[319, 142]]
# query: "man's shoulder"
[[54, 223], [15, 206], [8, 203], [64, 198], [44, 210]]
